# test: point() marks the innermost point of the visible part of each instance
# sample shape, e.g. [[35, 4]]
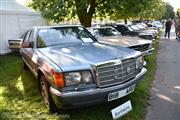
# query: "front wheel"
[[45, 93]]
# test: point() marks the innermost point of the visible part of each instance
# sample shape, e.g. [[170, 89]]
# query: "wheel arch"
[[41, 72]]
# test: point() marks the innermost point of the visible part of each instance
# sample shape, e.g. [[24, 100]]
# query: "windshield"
[[134, 27], [62, 35], [157, 22], [144, 25], [140, 26], [105, 32], [129, 28]]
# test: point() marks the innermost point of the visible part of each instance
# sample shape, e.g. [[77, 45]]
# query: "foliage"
[[140, 9], [155, 10], [169, 13], [62, 10], [178, 12]]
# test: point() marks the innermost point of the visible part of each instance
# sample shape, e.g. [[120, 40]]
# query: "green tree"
[[140, 9], [169, 12], [85, 10], [154, 10], [129, 9], [178, 12], [60, 10]]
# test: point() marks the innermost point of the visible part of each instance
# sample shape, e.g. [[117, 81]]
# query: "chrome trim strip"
[[117, 74], [147, 52], [30, 67], [94, 91]]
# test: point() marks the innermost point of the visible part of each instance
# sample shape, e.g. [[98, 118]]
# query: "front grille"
[[141, 48], [116, 73]]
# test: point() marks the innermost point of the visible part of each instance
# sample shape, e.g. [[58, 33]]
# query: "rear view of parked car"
[[74, 70]]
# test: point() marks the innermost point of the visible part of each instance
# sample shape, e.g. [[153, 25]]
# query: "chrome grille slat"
[[119, 78], [114, 73], [116, 69], [111, 69], [141, 47], [111, 74]]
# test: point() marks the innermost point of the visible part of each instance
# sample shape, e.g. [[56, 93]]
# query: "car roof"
[[55, 26], [101, 27]]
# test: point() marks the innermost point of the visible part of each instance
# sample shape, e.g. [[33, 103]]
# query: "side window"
[[125, 28], [31, 36], [119, 28], [23, 36], [27, 37]]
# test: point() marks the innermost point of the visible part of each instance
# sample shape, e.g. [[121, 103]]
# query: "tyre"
[[45, 93]]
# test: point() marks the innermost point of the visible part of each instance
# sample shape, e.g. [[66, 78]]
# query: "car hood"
[[126, 41], [141, 33], [71, 57], [149, 31]]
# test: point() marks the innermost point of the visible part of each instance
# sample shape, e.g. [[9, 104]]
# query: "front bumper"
[[92, 96], [148, 52]]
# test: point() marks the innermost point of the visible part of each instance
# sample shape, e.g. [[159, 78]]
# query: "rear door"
[[24, 51], [29, 54]]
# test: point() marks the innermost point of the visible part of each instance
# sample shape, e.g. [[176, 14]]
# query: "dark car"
[[74, 70]]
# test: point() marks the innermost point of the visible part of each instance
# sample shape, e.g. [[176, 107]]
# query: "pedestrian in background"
[[168, 27], [177, 25]]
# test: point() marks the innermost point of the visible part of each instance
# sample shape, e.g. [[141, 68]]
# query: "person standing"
[[168, 28], [177, 25]]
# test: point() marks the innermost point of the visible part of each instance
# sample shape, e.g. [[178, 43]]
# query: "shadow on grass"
[[18, 88]]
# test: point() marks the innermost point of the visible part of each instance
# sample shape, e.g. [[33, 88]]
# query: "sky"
[[174, 3]]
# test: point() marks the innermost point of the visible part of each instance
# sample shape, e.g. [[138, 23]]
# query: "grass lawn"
[[20, 98]]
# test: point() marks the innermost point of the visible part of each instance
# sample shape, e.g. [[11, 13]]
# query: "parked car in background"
[[143, 29], [147, 27], [126, 30], [157, 24], [144, 34], [14, 45], [74, 69], [110, 35]]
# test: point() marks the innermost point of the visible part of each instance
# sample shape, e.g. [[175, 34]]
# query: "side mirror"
[[27, 44]]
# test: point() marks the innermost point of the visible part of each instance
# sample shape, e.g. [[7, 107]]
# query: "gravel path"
[[165, 92]]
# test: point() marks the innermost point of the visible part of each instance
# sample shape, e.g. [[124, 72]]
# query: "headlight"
[[86, 77], [75, 78], [139, 62]]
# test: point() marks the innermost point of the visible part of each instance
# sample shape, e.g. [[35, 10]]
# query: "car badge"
[[115, 73]]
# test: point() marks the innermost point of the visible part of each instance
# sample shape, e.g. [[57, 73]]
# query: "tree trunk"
[[125, 21], [85, 14], [85, 20]]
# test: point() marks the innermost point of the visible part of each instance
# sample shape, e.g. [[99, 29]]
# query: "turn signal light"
[[58, 79]]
